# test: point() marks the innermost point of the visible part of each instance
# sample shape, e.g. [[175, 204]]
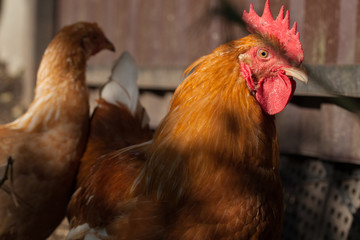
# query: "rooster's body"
[[212, 168], [46, 142]]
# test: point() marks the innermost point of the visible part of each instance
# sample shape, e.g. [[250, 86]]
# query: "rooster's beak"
[[297, 73]]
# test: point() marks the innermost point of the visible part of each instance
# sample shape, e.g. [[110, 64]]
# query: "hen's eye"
[[263, 53]]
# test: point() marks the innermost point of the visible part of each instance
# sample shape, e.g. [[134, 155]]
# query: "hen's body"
[[44, 168], [117, 122], [46, 142]]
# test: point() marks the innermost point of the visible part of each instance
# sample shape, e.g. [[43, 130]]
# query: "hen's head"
[[88, 36], [272, 59]]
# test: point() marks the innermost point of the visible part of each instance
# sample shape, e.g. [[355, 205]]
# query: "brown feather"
[[101, 167], [107, 120]]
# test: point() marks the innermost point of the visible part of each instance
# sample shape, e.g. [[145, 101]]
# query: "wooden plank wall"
[[174, 33], [158, 33]]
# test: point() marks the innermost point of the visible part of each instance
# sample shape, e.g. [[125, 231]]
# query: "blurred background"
[[319, 131]]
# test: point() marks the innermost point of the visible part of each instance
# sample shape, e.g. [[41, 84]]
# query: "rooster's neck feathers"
[[212, 118]]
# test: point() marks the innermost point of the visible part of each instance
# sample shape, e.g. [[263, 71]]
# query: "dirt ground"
[[61, 231]]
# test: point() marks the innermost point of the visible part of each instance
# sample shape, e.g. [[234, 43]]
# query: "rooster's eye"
[[263, 53]]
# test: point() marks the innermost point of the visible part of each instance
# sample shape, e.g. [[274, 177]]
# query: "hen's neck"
[[61, 95]]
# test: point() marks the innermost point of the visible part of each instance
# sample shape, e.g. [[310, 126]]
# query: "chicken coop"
[[319, 131]]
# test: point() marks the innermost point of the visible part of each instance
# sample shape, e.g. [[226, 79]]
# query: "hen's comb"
[[279, 28]]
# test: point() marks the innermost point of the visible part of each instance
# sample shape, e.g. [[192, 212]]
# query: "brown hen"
[[46, 142]]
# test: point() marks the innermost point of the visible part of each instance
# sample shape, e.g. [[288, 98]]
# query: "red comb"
[[279, 28]]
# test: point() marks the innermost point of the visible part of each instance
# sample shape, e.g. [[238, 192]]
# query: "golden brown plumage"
[[107, 120], [221, 156], [117, 122], [46, 142], [212, 168]]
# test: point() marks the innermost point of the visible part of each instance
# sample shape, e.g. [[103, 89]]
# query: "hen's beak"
[[108, 45], [297, 73]]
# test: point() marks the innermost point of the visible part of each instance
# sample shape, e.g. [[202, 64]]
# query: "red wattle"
[[274, 93]]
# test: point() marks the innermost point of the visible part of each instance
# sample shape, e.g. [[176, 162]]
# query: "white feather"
[[78, 232], [122, 86], [83, 231]]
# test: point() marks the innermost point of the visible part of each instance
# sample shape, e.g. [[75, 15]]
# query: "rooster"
[[212, 168], [45, 143]]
